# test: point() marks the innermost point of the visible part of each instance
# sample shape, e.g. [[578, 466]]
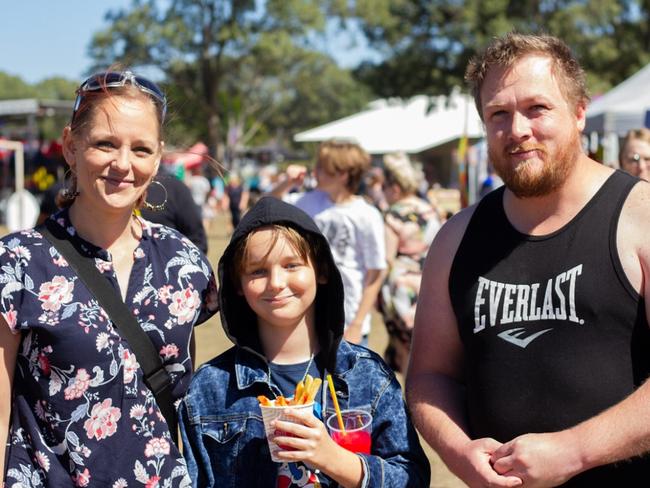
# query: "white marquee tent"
[[412, 126], [622, 108]]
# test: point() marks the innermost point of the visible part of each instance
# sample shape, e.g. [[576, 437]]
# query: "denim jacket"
[[223, 434]]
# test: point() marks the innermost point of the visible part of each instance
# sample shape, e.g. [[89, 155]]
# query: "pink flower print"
[[82, 479], [184, 304], [39, 409], [103, 266], [55, 293], [22, 252], [103, 341], [44, 363], [137, 411], [169, 351], [153, 482], [138, 254], [48, 318], [130, 366], [11, 317], [60, 261], [42, 460], [103, 420], [157, 447], [78, 385], [165, 293]]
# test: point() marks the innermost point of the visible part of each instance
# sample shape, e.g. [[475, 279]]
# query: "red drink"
[[358, 441], [357, 425]]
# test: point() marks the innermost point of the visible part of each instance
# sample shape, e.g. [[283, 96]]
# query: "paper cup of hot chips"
[[302, 399], [269, 414]]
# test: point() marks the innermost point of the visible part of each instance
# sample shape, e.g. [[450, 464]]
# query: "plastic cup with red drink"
[[358, 427]]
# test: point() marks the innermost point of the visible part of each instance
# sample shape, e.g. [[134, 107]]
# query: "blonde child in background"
[[353, 227]]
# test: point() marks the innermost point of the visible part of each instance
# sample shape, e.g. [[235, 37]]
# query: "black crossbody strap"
[[155, 375]]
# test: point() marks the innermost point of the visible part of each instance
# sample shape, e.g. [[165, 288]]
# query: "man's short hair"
[[505, 51], [340, 156]]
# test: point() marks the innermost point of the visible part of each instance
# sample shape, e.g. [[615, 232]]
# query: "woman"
[[635, 153], [411, 224], [79, 413]]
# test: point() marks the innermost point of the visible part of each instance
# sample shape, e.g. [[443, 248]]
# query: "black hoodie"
[[238, 319]]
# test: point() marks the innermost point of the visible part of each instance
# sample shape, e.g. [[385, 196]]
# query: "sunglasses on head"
[[115, 79]]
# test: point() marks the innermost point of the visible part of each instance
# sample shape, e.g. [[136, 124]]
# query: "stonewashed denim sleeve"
[[397, 459], [193, 449]]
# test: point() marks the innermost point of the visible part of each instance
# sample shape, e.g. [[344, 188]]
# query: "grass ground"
[[211, 340]]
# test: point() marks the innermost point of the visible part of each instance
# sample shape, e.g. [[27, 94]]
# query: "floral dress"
[[415, 223], [81, 414]]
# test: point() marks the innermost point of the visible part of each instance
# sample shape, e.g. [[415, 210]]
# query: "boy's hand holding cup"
[[303, 437], [285, 410], [275, 420]]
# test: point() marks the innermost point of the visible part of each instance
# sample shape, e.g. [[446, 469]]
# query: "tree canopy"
[[427, 44], [54, 88], [240, 72], [234, 66]]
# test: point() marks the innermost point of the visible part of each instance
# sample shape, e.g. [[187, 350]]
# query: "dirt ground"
[[211, 340]]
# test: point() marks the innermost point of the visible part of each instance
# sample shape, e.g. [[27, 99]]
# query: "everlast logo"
[[499, 303]]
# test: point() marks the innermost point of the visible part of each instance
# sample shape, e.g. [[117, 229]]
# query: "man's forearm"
[[549, 459], [436, 403], [619, 433], [438, 410]]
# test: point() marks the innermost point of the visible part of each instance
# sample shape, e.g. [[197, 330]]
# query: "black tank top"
[[553, 331]]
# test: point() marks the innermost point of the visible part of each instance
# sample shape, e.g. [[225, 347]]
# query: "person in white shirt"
[[354, 228]]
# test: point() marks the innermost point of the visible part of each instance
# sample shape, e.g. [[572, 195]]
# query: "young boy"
[[353, 227], [281, 301]]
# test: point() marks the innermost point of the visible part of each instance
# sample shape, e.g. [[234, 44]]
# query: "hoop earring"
[[156, 207], [69, 193]]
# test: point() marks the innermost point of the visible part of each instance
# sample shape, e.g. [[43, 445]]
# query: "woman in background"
[[411, 224]]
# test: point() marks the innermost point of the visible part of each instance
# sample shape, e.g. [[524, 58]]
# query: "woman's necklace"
[[311, 360]]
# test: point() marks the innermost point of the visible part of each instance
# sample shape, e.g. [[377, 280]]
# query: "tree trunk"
[[214, 132]]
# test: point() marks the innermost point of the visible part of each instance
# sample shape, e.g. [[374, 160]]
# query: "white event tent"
[[413, 126], [622, 108]]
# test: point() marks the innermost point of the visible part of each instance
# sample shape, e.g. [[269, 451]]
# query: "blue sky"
[[44, 38]]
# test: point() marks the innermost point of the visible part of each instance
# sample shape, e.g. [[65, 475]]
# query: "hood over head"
[[238, 319]]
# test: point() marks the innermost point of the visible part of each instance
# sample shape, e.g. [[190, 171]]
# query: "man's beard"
[[525, 181]]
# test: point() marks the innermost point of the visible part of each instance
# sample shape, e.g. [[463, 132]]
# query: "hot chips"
[[264, 401], [304, 393]]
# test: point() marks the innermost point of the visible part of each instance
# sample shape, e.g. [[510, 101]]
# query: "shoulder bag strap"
[[155, 375]]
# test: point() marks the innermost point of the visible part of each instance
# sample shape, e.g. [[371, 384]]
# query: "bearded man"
[[530, 348]]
